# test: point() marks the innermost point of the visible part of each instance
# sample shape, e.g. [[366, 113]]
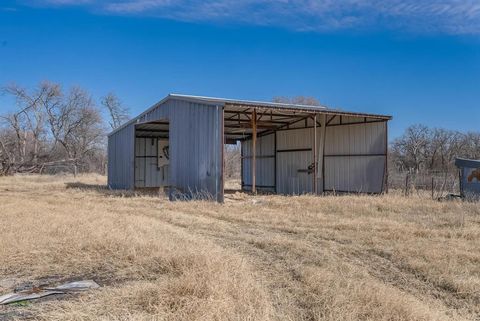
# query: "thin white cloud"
[[68, 2], [438, 16], [138, 6]]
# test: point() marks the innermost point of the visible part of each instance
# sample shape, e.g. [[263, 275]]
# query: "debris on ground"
[[257, 201], [35, 293], [76, 286], [40, 292]]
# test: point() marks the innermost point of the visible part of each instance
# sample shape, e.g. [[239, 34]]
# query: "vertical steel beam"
[[254, 150], [314, 150], [321, 150], [220, 198], [275, 160], [386, 157]]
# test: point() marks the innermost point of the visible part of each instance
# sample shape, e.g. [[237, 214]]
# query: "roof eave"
[[251, 104]]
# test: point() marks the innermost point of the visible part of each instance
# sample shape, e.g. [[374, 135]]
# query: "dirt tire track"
[[266, 258]]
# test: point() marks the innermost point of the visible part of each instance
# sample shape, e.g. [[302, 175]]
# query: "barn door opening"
[[152, 155]]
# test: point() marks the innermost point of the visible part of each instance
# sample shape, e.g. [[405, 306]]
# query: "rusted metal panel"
[[469, 178]]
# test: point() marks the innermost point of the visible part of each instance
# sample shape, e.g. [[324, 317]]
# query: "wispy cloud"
[[11, 9], [432, 16], [67, 2]]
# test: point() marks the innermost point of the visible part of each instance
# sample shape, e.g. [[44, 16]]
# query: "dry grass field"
[[252, 258]]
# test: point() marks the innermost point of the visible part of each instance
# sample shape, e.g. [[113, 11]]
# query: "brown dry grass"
[[253, 258]]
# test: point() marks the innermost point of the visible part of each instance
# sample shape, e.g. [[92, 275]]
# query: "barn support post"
[[254, 150], [321, 151], [314, 150], [220, 197], [386, 157]]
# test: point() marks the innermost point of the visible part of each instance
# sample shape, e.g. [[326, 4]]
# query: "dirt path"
[[280, 255]]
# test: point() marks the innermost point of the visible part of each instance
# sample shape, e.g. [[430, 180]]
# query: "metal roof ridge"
[[214, 100], [248, 102]]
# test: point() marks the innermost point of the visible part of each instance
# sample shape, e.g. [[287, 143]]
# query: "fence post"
[[407, 176], [433, 196]]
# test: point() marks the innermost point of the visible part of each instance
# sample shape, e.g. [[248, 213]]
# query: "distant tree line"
[[50, 127], [421, 148]]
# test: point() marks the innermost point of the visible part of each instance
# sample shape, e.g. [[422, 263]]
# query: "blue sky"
[[416, 60]]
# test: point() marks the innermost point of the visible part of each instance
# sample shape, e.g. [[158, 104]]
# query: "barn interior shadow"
[[105, 191]]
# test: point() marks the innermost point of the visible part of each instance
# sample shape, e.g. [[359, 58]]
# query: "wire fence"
[[436, 184]]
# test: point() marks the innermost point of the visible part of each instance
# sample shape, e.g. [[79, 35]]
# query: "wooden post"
[[407, 184], [254, 150], [314, 149], [433, 186]]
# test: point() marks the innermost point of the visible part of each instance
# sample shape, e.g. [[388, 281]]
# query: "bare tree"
[[118, 113], [421, 148], [471, 147], [233, 161], [27, 122], [48, 127], [16, 123], [75, 123], [410, 149], [6, 157]]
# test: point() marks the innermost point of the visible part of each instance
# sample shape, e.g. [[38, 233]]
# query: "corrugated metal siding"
[[196, 148], [294, 139], [291, 159], [359, 174], [265, 163], [289, 179], [354, 161], [121, 159], [368, 138], [362, 166]]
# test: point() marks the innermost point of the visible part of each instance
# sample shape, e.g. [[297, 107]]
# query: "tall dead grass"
[[252, 258]]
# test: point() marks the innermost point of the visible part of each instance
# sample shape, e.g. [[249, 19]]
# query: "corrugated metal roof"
[[253, 104], [216, 101], [470, 163]]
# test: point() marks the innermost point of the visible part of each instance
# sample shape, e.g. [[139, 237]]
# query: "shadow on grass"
[[104, 190], [229, 191]]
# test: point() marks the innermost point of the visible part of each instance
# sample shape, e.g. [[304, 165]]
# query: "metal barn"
[[287, 149]]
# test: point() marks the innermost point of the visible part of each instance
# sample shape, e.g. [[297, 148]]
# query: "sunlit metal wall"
[[196, 149], [354, 159]]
